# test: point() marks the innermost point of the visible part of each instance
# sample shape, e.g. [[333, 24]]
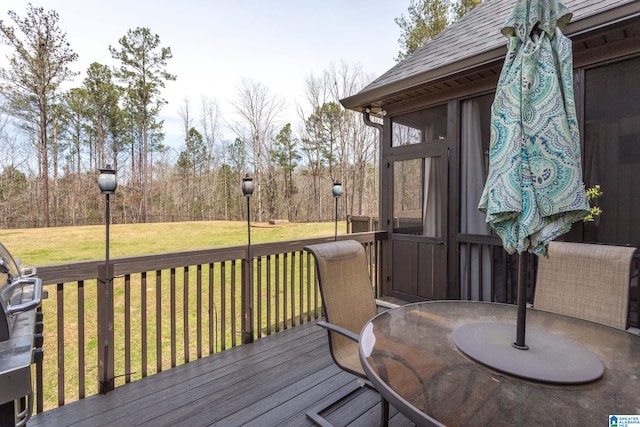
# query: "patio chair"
[[588, 281], [348, 303]]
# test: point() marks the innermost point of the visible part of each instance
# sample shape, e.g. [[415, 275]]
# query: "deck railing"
[[167, 309], [486, 272]]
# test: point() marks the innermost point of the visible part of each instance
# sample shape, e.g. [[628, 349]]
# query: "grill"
[[20, 338]]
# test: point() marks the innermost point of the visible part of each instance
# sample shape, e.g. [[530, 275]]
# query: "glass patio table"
[[410, 357]]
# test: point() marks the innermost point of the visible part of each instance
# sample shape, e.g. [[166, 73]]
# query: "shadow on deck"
[[272, 382]]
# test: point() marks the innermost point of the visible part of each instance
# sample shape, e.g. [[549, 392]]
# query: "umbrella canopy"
[[534, 191]]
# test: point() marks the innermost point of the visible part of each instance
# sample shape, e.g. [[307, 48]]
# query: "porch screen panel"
[[612, 150], [417, 198], [424, 126], [475, 260]]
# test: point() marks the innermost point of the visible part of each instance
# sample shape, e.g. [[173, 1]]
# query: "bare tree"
[[184, 111], [258, 110], [358, 142], [337, 143], [184, 165], [210, 122]]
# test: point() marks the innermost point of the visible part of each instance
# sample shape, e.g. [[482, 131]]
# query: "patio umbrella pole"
[[522, 304]]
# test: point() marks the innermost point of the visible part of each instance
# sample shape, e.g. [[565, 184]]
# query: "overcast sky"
[[217, 42]]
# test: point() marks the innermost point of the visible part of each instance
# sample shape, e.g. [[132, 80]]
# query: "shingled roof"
[[473, 41]]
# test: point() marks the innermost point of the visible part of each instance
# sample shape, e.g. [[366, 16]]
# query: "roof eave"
[[361, 100]]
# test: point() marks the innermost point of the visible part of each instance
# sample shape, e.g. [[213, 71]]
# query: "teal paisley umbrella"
[[534, 191]]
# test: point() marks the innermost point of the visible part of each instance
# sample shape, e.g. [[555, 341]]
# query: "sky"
[[216, 43]]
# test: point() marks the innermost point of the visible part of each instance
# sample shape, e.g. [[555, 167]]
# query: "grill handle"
[[36, 299], [28, 271], [24, 416]]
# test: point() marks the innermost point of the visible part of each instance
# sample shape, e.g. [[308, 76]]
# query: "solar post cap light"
[[247, 185], [107, 180], [337, 192]]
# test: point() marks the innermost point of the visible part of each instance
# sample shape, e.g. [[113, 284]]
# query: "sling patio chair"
[[348, 303], [588, 281]]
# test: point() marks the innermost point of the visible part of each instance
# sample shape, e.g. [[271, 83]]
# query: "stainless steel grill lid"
[[20, 295], [9, 273], [20, 291]]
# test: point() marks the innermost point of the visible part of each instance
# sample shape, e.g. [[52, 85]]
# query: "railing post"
[[105, 348], [247, 298]]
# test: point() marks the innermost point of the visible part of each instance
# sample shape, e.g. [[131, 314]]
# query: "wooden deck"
[[272, 382]]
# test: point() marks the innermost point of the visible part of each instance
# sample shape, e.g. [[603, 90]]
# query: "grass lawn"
[[39, 246]]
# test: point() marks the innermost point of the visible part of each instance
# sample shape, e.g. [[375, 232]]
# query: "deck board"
[[272, 382]]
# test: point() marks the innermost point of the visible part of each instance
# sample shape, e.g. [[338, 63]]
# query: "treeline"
[[53, 141]]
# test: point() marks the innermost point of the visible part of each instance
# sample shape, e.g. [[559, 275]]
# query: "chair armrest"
[[339, 329], [385, 304]]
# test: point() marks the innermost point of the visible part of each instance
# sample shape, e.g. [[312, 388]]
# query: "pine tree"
[[38, 65], [426, 19]]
